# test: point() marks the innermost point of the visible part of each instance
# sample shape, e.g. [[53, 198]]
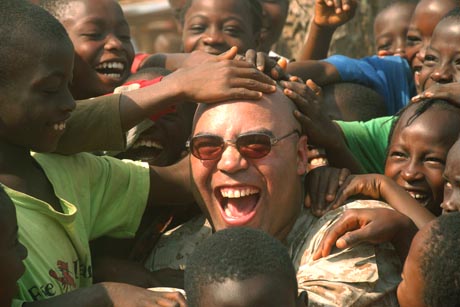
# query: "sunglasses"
[[250, 145]]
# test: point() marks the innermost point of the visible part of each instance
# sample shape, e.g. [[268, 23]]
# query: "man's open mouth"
[[238, 204]]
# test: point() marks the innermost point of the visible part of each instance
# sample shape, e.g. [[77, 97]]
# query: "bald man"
[[247, 163]]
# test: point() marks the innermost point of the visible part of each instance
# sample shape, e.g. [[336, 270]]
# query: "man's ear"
[[302, 299], [302, 158]]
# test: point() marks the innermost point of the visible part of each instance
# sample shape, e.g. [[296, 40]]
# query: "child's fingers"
[[250, 56], [229, 54], [314, 87], [344, 224], [260, 61]]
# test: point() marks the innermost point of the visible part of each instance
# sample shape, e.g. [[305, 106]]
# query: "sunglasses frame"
[[234, 142]]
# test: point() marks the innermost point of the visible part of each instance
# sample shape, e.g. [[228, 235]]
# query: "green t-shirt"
[[368, 141], [99, 196]]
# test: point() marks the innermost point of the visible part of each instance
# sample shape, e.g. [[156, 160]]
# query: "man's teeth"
[[237, 193], [111, 65], [147, 143], [59, 126]]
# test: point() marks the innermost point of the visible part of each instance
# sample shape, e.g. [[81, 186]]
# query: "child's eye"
[[413, 40], [435, 161], [232, 30], [398, 155], [197, 28], [93, 36], [384, 47]]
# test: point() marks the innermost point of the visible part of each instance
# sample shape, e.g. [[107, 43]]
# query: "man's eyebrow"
[[260, 130]]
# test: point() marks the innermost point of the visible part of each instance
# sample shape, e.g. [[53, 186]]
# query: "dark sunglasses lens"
[[206, 147], [254, 146]]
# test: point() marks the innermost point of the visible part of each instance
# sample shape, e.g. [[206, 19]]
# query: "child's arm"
[[321, 131], [378, 186], [112, 294], [374, 225], [103, 120], [328, 17]]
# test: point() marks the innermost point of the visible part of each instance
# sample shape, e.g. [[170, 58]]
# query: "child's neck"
[[19, 171]]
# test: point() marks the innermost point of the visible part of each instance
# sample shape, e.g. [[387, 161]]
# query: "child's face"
[[410, 290], [390, 29], [451, 201], [426, 16], [102, 43], [417, 154], [442, 56], [275, 13], [214, 26], [12, 252], [35, 106], [256, 291]]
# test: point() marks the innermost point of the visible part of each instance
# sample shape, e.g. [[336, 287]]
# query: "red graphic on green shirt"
[[66, 279]]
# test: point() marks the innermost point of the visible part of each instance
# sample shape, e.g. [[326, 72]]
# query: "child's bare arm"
[[113, 294], [222, 78], [328, 17], [321, 130], [379, 186]]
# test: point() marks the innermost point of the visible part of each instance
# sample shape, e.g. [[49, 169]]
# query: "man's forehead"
[[276, 106]]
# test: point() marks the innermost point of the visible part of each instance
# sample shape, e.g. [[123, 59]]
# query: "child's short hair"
[[57, 8], [440, 262], [454, 13], [237, 254], [19, 18], [421, 107], [254, 6]]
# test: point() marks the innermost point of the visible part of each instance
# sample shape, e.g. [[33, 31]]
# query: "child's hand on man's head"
[[273, 67], [332, 14], [222, 79], [319, 128]]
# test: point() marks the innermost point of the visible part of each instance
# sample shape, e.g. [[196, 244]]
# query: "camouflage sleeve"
[[364, 275]]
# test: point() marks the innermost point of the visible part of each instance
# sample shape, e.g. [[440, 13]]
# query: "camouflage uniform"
[[365, 275]]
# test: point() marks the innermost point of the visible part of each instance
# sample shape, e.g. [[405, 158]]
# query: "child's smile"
[[102, 42]]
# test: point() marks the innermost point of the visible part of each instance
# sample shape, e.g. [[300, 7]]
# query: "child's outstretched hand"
[[332, 14], [376, 225], [449, 92], [321, 186], [319, 128]]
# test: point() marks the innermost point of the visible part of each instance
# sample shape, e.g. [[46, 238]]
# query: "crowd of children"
[[82, 90]]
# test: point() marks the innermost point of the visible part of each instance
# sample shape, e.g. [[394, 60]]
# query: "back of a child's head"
[[149, 73], [440, 263], [20, 23], [352, 102], [237, 254]]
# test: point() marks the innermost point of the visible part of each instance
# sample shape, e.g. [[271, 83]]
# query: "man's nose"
[[231, 160]]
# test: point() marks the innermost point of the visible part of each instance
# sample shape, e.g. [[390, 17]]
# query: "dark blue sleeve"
[[390, 76]]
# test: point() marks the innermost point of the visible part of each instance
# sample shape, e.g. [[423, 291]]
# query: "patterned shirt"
[[363, 275]]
